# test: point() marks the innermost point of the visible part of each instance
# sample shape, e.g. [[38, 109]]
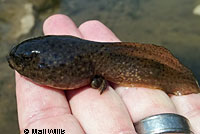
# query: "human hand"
[[84, 110]]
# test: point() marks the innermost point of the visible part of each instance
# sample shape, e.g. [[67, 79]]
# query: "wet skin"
[[68, 62]]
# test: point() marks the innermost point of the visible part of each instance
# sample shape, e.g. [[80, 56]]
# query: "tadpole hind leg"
[[98, 82]]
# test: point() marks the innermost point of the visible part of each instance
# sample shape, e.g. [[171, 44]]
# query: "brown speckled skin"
[[67, 62]]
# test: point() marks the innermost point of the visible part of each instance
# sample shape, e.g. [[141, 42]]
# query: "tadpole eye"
[[28, 56]]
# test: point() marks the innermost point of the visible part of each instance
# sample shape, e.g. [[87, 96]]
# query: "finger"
[[60, 25], [42, 108], [96, 31], [37, 108], [143, 102], [100, 114], [189, 106]]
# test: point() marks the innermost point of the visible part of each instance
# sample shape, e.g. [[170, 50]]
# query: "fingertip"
[[97, 31], [60, 24]]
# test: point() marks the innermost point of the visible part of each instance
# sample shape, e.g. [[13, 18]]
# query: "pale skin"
[[84, 110]]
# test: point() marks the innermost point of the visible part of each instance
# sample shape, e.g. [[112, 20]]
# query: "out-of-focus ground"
[[168, 23]]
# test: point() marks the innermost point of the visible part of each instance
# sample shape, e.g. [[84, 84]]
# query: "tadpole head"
[[21, 56]]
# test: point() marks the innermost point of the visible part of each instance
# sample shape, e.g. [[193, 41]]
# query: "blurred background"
[[174, 24]]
